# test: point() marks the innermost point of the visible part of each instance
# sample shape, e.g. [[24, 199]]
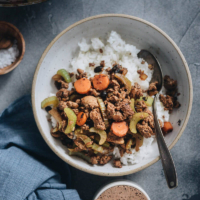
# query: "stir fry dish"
[[104, 112]]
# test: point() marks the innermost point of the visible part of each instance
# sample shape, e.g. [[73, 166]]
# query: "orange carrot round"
[[81, 118], [167, 127], [82, 86], [119, 128], [100, 82]]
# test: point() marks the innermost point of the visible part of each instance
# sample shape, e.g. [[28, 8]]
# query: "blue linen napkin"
[[28, 168]]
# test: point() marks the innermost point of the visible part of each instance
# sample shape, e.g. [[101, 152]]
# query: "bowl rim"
[[119, 182], [45, 53], [11, 67]]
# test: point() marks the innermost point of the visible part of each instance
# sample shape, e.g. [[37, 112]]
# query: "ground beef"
[[171, 93], [82, 74], [78, 101], [167, 102], [150, 67], [124, 71], [78, 142], [76, 111], [85, 127], [102, 63], [122, 94], [169, 83], [91, 64], [89, 102], [63, 84], [55, 134], [63, 93], [70, 135], [95, 160], [114, 139], [110, 110], [62, 105], [125, 108], [118, 117], [150, 119], [119, 112], [114, 83], [176, 104], [140, 106], [153, 88], [94, 92], [63, 125], [108, 69], [95, 116], [72, 104], [113, 99], [144, 130], [104, 159], [117, 163], [71, 74], [136, 91]]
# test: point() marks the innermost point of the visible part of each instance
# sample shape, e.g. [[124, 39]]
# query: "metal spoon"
[[166, 158]]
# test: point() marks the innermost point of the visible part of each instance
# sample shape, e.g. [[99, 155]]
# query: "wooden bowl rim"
[[12, 66], [21, 4]]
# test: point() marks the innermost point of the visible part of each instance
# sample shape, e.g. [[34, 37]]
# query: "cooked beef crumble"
[[117, 163]]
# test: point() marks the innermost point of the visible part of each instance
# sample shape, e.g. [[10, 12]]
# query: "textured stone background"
[[180, 19]]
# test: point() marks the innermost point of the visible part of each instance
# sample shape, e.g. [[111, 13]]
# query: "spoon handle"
[[166, 158]]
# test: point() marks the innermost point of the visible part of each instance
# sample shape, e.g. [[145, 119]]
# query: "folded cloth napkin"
[[28, 168]]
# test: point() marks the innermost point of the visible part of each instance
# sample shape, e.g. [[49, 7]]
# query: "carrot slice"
[[82, 86], [81, 118], [100, 82], [167, 127], [119, 128]]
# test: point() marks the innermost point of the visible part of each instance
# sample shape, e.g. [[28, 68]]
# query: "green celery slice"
[[71, 120], [135, 119], [50, 101], [65, 75]]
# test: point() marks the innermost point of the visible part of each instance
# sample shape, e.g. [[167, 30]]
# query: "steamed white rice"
[[116, 50]]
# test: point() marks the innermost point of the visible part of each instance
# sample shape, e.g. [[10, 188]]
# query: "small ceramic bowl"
[[133, 30], [120, 183], [10, 30]]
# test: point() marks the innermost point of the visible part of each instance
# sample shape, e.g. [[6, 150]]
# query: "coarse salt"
[[8, 56]]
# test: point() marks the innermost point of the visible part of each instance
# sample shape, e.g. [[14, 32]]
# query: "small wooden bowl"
[[9, 29]]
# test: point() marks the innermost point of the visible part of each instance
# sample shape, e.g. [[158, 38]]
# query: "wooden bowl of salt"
[[12, 47]]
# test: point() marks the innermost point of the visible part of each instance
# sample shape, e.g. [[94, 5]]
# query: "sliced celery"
[[125, 81], [81, 155], [50, 101], [65, 75], [133, 104], [103, 135], [71, 120], [135, 119]]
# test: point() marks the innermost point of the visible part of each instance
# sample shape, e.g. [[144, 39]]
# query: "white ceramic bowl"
[[134, 31], [120, 182]]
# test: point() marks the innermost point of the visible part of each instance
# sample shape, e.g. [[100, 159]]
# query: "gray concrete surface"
[[180, 19]]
